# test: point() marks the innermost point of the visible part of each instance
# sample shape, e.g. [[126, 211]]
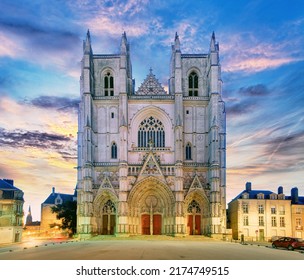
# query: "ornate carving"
[[150, 86]]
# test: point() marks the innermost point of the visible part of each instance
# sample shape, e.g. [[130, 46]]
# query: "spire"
[[87, 44], [124, 43], [177, 42], [29, 218], [212, 43]]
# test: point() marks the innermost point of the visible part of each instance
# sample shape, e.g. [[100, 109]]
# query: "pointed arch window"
[[114, 150], [108, 84], [188, 151], [109, 207], [151, 131], [193, 84], [194, 207]]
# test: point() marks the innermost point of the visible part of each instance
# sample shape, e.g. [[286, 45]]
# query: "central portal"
[[151, 224]]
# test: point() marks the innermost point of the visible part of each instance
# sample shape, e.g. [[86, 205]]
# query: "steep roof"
[[253, 194], [6, 186], [65, 197]]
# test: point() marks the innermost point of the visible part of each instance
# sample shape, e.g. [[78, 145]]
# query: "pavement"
[[38, 242]]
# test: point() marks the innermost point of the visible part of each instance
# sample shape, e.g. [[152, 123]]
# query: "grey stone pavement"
[[144, 248]]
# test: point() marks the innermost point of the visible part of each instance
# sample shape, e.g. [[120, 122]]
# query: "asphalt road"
[[144, 250]]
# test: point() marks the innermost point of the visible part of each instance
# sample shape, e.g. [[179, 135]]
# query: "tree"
[[66, 212]]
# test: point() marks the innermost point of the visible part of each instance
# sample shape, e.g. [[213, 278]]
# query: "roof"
[[300, 200], [5, 186], [65, 197], [253, 194]]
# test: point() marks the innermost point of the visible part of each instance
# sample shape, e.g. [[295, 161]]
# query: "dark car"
[[289, 242]]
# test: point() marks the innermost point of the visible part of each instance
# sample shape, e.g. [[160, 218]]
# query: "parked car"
[[289, 242]]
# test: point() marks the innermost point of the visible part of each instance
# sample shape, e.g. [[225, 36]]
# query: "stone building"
[[50, 225], [11, 212], [260, 215], [151, 161], [297, 213]]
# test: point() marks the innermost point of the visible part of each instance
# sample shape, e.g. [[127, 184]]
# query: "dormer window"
[[108, 84], [273, 196], [58, 200], [245, 195], [193, 84], [260, 196]]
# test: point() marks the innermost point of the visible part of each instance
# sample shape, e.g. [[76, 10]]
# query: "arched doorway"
[[108, 218], [194, 218], [105, 207], [151, 223], [196, 208], [151, 205]]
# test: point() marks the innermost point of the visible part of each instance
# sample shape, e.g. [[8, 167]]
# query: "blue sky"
[[262, 57]]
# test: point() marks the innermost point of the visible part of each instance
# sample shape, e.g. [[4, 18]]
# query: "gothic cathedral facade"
[[151, 161]]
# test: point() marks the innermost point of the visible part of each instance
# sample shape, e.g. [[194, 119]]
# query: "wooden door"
[[145, 224], [197, 224], [157, 222], [190, 224], [196, 230], [112, 224], [104, 224]]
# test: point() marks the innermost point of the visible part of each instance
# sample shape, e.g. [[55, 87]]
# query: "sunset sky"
[[262, 57]]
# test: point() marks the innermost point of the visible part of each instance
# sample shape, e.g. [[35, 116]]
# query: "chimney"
[[280, 190], [294, 196], [248, 187], [53, 190]]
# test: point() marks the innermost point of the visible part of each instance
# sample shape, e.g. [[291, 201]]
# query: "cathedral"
[[151, 161]]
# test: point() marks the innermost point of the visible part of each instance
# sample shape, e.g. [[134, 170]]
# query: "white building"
[[260, 215], [151, 161]]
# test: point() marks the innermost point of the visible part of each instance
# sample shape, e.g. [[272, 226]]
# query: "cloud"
[[54, 48], [246, 52], [256, 90], [21, 138], [55, 102]]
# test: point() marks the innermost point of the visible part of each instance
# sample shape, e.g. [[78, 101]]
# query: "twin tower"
[[151, 162]]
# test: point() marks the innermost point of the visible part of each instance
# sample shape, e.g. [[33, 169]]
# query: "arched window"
[[193, 84], [188, 152], [151, 131], [194, 207], [108, 84], [114, 150], [109, 207]]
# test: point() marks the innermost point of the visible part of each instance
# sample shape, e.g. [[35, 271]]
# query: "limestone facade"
[[260, 215], [11, 212], [151, 161]]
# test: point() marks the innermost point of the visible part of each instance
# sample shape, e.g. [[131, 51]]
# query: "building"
[[260, 215], [151, 161], [11, 212], [297, 213], [50, 225]]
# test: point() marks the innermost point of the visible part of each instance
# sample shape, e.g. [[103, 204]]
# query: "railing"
[[164, 96], [154, 149]]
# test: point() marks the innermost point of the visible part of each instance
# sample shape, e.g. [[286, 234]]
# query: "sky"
[[262, 61]]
